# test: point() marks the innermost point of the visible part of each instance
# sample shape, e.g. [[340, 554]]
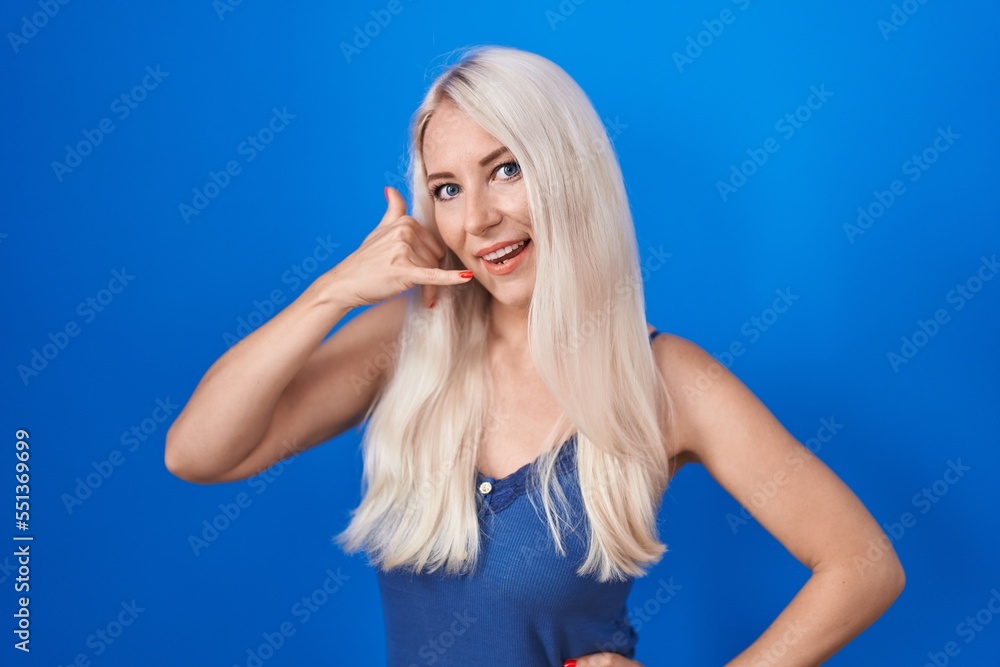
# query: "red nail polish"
[[432, 303], [465, 274], [569, 663]]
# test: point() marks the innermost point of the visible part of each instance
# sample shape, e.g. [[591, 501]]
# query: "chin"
[[513, 292], [514, 298]]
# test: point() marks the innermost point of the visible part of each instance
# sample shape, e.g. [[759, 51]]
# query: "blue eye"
[[450, 190], [509, 170], [446, 191]]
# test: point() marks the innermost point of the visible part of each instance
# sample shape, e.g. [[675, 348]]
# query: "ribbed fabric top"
[[524, 606]]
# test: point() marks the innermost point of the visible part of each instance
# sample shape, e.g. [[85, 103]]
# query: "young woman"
[[523, 419]]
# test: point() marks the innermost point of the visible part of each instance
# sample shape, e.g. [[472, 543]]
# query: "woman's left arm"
[[805, 506]]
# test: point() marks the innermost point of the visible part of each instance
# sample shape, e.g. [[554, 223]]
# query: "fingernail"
[[465, 274], [385, 191], [432, 303], [569, 663]]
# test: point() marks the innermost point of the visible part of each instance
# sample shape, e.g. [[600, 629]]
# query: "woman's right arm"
[[278, 391], [275, 393]]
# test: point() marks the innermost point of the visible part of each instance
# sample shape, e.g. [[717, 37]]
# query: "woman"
[[523, 421]]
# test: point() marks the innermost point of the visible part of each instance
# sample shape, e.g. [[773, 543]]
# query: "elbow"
[[890, 587], [890, 583], [897, 580], [877, 582], [893, 576], [175, 461], [179, 462]]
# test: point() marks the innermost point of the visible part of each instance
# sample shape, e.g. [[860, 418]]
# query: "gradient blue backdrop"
[[209, 76]]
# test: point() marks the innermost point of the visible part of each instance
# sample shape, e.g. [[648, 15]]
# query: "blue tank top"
[[524, 605]]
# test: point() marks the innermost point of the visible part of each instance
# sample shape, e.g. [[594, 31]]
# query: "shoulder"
[[697, 385], [684, 359]]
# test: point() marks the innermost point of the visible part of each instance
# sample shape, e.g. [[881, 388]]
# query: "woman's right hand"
[[398, 254]]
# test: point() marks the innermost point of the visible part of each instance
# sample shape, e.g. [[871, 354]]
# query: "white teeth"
[[496, 254]]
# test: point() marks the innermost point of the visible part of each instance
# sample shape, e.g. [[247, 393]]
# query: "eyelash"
[[437, 189]]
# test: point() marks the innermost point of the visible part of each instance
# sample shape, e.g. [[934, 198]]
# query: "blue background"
[[680, 127]]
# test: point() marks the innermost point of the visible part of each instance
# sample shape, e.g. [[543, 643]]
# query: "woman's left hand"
[[601, 660]]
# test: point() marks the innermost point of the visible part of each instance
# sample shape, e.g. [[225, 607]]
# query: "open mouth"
[[504, 255]]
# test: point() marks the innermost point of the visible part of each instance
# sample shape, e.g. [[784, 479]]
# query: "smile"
[[506, 260]]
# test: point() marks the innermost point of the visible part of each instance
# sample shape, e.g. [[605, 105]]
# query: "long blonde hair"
[[586, 332]]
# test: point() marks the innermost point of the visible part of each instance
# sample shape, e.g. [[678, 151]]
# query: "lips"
[[510, 262], [511, 254], [498, 246]]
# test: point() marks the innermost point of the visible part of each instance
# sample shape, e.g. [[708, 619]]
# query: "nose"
[[481, 211]]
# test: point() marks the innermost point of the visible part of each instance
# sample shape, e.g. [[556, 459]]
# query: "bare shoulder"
[[713, 407], [687, 370]]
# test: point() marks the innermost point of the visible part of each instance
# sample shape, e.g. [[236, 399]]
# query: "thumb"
[[395, 206]]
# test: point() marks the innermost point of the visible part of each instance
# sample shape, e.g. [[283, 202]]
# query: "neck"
[[508, 328], [510, 358]]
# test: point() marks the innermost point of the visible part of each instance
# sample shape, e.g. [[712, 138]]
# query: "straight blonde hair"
[[586, 332]]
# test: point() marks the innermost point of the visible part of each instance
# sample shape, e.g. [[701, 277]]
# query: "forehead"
[[451, 138]]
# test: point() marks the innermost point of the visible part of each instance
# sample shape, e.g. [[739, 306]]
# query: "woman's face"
[[480, 203]]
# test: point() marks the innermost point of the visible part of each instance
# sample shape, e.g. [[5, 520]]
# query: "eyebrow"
[[482, 163]]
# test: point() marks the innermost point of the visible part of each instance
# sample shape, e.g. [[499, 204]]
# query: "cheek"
[[524, 210], [515, 203], [450, 230]]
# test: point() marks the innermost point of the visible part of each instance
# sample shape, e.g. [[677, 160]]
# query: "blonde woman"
[[523, 420]]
